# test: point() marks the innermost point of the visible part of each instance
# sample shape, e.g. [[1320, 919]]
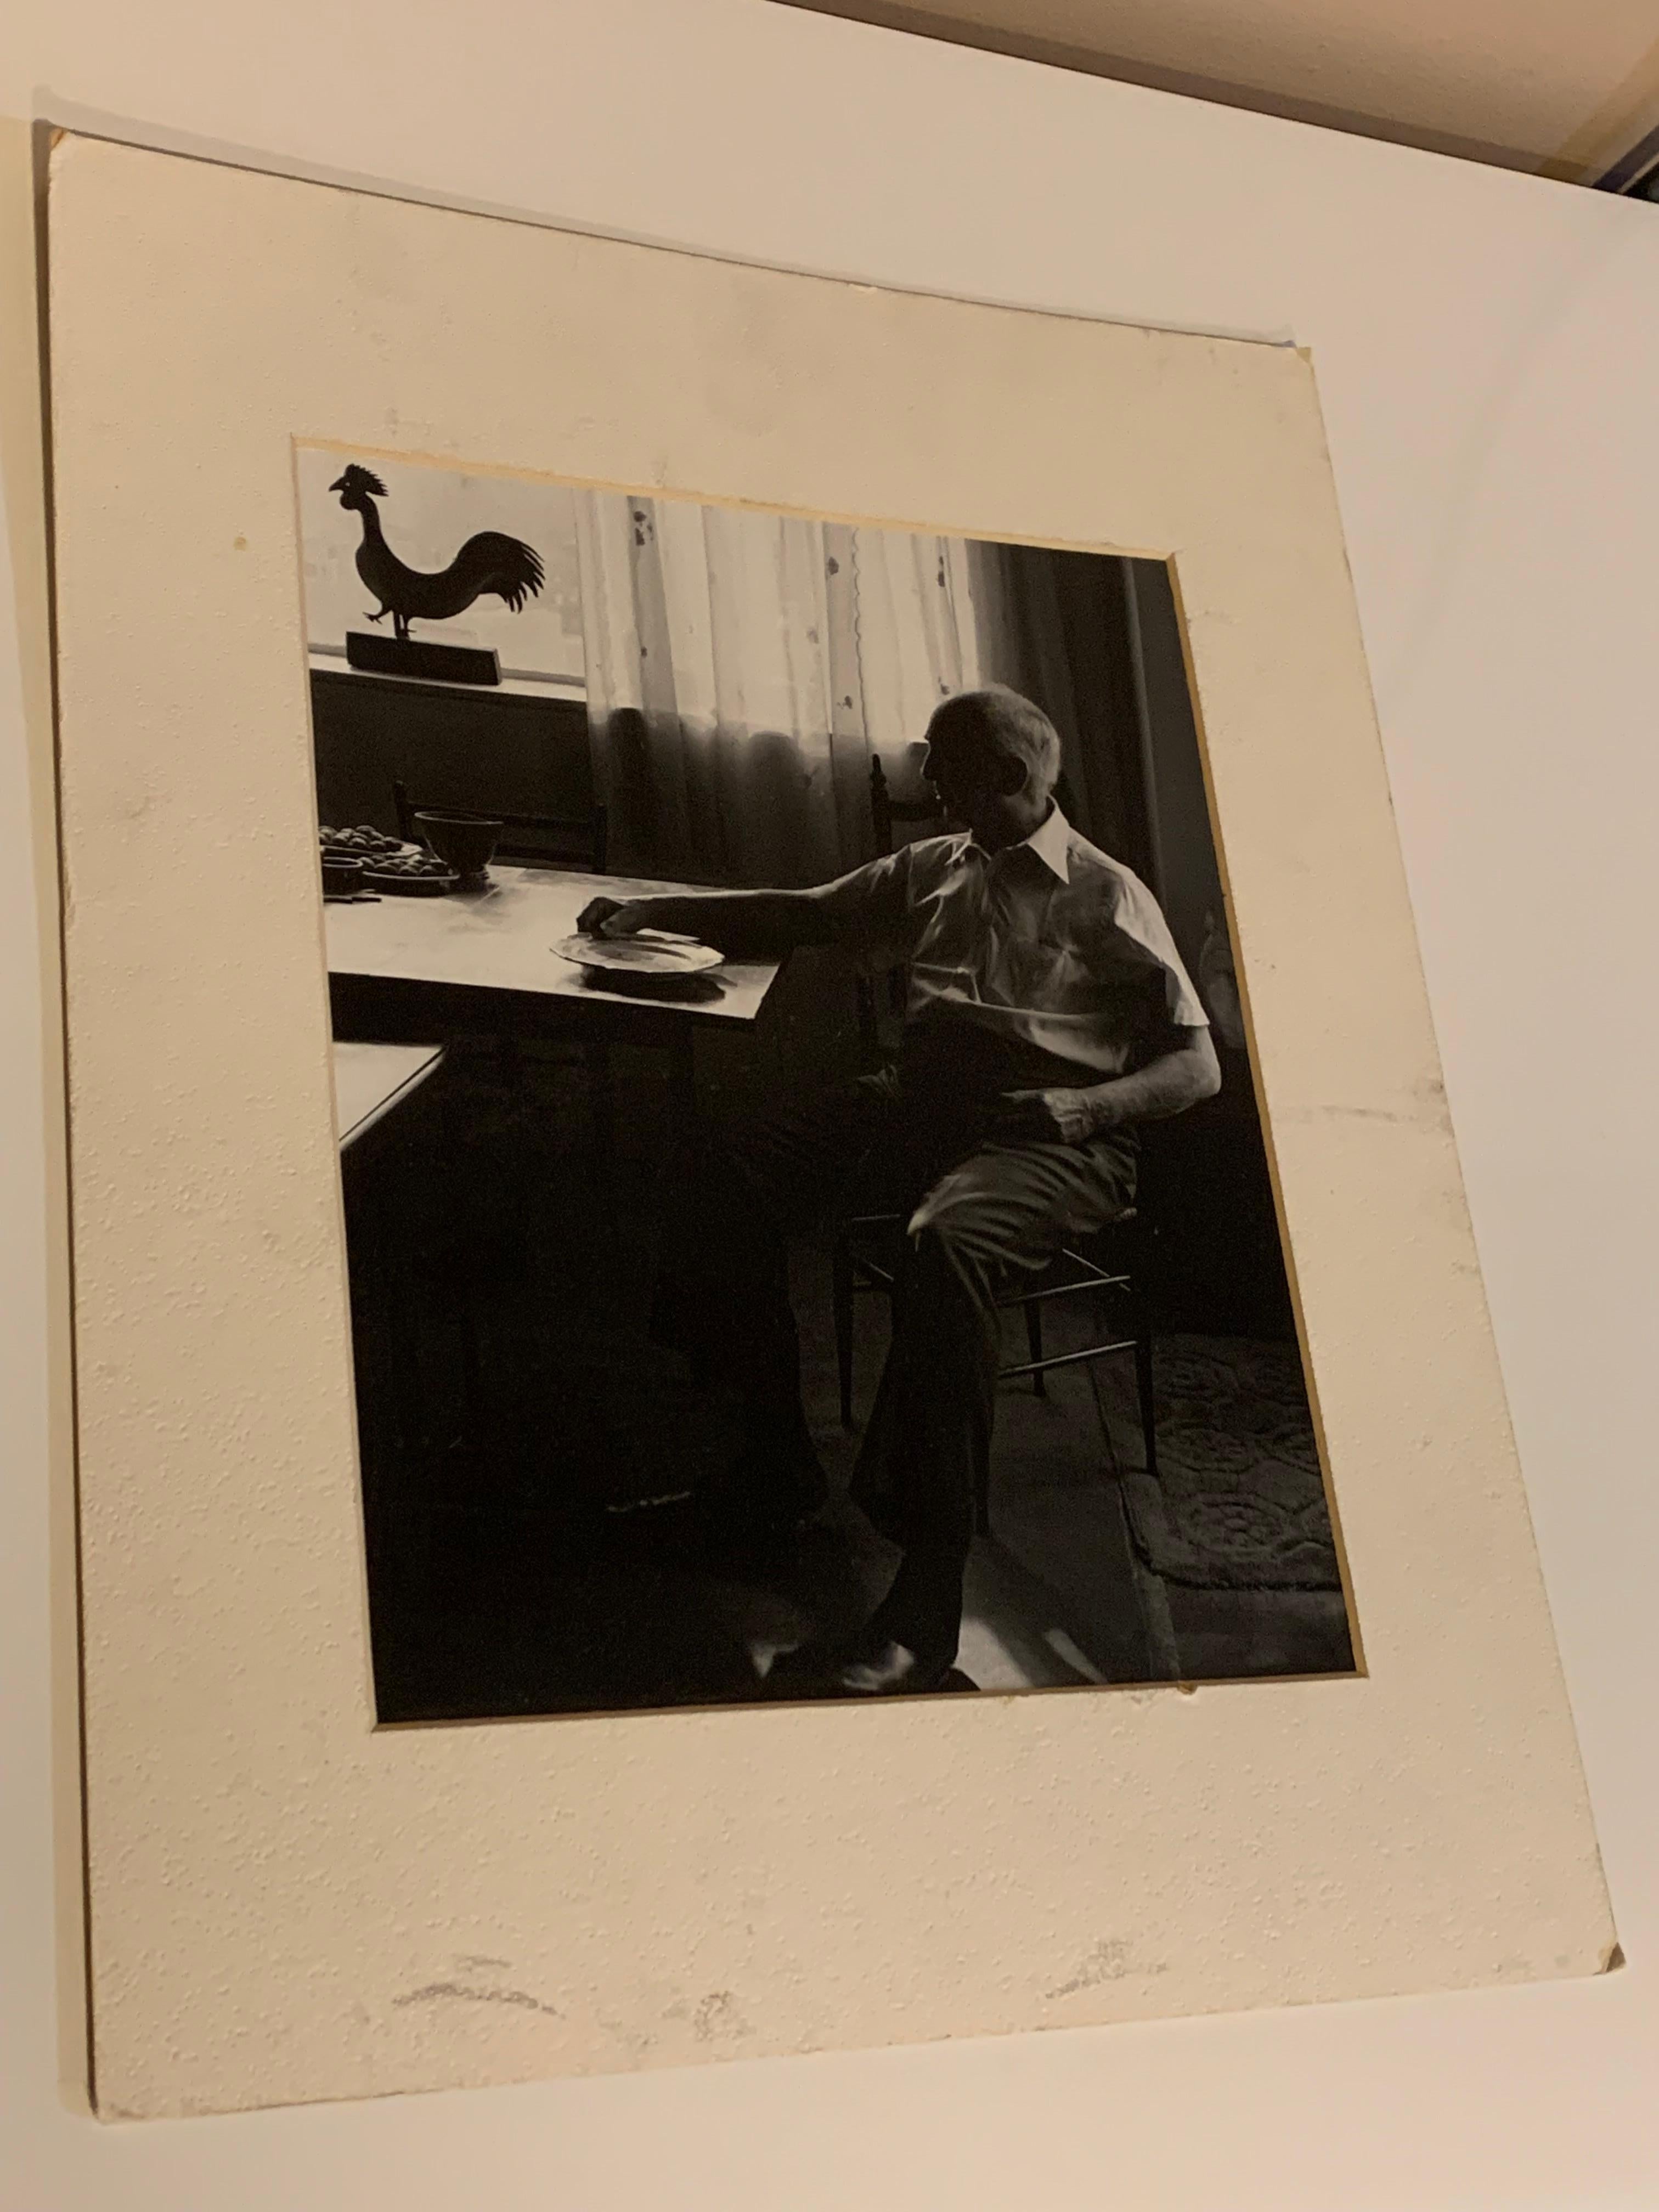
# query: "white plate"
[[646, 954]]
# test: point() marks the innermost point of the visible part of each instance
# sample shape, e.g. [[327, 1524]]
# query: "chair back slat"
[[885, 809], [884, 812]]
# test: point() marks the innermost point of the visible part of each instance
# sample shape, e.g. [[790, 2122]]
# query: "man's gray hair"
[[1006, 720]]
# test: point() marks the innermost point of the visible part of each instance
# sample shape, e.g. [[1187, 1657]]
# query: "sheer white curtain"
[[742, 668]]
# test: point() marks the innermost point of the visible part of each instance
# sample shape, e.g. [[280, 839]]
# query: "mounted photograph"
[[810, 1228], [777, 1344]]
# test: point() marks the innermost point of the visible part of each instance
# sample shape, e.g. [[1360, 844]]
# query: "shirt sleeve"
[[1138, 921], [869, 909]]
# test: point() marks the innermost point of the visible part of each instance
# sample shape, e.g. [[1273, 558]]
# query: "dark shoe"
[[888, 1668], [909, 1643], [808, 1671], [872, 1666]]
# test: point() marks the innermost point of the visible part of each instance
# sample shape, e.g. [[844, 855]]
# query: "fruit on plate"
[[367, 842], [408, 862]]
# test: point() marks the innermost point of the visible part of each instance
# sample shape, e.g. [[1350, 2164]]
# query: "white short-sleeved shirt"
[[1050, 944]]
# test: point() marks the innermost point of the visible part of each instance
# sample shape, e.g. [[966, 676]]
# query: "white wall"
[[1488, 350]]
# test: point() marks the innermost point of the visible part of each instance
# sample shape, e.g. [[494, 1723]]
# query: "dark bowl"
[[466, 842], [342, 874]]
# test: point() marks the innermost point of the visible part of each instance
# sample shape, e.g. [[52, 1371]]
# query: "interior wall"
[[1487, 350], [1526, 88]]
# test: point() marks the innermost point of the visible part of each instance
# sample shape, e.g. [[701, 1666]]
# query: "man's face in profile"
[[971, 778]]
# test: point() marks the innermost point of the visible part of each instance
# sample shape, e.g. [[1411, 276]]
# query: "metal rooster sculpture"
[[490, 561]]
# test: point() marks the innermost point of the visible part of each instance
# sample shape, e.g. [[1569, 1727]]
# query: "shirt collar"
[[1050, 840]]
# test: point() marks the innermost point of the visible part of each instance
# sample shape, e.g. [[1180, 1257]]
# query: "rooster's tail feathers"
[[505, 566]]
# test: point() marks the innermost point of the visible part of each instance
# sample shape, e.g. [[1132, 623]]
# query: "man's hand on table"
[[608, 917]]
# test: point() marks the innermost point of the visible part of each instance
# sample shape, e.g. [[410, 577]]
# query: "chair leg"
[[1144, 1389], [841, 1294], [1034, 1338]]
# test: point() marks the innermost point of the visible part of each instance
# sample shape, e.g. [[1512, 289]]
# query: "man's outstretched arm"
[[862, 910], [758, 925]]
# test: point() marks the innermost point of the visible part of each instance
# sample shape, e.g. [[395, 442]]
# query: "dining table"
[[485, 960]]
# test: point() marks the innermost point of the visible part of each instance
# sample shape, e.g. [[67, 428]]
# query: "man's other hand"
[[1047, 1117]]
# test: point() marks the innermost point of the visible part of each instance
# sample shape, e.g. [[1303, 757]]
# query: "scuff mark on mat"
[[1111, 1959], [717, 2015], [442, 1992]]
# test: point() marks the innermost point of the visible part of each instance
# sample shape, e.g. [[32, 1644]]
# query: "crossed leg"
[[997, 1212], [1002, 1212]]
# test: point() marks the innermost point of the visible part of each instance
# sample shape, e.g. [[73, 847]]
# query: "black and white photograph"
[[806, 1390], [810, 1228]]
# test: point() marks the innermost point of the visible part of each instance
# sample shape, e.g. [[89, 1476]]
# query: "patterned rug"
[[1239, 1502]]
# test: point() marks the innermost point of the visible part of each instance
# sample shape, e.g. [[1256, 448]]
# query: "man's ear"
[[1012, 774]]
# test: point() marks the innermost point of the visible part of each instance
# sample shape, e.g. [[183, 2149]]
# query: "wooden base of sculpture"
[[419, 658]]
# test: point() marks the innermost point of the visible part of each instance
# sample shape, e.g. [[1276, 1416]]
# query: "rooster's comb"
[[362, 479]]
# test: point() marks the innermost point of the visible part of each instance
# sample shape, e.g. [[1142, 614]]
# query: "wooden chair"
[[1109, 1266], [884, 810], [552, 840]]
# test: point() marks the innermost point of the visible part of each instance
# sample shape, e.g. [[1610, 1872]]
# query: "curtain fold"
[[742, 669], [1062, 633]]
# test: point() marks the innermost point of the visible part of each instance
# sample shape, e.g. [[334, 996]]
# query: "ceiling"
[[1564, 88]]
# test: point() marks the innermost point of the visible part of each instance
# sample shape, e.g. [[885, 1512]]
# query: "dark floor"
[[531, 1459]]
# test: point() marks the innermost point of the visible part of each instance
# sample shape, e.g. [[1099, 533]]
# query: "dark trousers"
[[975, 1215]]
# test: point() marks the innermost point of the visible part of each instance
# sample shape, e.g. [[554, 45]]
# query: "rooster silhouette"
[[491, 561]]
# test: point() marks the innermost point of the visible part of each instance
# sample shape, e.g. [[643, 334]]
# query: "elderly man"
[[1049, 1013]]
